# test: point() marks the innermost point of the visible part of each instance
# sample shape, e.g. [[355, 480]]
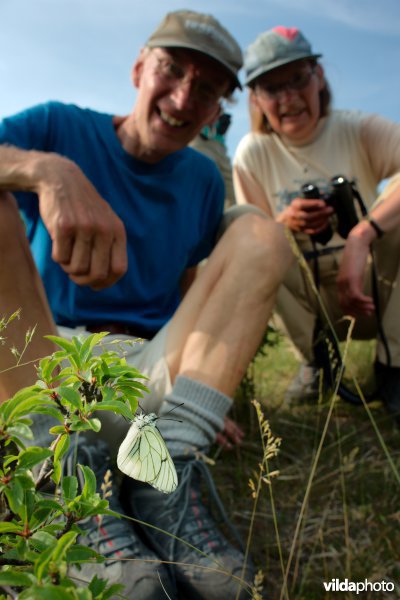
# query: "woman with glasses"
[[299, 143]]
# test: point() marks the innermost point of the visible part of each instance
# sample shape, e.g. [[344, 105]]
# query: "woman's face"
[[289, 98]]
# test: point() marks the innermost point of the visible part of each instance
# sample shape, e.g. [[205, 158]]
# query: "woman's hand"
[[352, 269], [306, 216], [232, 435]]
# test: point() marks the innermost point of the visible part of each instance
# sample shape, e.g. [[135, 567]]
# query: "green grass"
[[337, 515]]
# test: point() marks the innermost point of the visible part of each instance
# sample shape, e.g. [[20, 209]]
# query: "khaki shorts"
[[146, 356]]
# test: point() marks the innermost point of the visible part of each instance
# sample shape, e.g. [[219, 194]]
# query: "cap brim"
[[262, 69]]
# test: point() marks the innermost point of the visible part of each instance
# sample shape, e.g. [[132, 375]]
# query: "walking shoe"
[[128, 560], [207, 566], [388, 382], [305, 385]]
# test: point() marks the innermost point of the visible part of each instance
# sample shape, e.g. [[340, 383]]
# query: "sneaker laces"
[[193, 521], [108, 535]]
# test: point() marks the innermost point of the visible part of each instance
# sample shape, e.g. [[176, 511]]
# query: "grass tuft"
[[333, 511]]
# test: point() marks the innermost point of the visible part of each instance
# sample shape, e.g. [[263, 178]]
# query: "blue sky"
[[82, 51]]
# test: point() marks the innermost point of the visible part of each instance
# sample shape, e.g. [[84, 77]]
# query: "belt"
[[121, 329]]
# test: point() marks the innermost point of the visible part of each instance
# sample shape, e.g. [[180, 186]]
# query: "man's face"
[[179, 92]]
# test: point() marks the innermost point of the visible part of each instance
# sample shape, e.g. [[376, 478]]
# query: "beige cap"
[[197, 31]]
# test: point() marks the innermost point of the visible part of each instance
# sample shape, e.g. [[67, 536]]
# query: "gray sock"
[[202, 414]]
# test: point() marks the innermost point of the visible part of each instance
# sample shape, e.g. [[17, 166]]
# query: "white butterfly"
[[143, 455]]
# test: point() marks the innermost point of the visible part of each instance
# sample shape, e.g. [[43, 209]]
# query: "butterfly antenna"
[[175, 407], [165, 418]]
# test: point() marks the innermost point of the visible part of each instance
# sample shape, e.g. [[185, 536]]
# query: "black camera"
[[341, 198]]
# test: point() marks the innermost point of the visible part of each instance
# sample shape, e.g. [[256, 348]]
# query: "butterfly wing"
[[144, 456], [167, 479]]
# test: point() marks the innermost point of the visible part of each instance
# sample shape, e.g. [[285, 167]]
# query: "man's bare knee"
[[258, 242], [10, 220]]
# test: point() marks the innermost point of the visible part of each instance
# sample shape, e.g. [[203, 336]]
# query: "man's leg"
[[221, 321], [211, 340], [20, 288]]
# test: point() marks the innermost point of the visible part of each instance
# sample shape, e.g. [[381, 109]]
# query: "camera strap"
[[326, 348]]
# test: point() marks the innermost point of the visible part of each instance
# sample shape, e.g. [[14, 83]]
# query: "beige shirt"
[[269, 171]]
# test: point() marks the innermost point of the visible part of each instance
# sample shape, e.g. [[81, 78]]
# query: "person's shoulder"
[[253, 138], [58, 107], [252, 143], [346, 117]]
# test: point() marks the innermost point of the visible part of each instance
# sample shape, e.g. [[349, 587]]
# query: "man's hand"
[[350, 278], [307, 216], [89, 239]]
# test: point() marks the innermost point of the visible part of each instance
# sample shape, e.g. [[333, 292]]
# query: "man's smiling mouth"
[[170, 120]]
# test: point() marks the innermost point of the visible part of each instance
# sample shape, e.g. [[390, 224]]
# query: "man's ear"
[[137, 68], [216, 116]]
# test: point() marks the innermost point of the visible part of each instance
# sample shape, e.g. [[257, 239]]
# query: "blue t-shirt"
[[171, 211]]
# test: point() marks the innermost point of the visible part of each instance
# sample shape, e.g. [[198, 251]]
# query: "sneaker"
[[128, 560], [207, 566], [388, 383], [305, 385]]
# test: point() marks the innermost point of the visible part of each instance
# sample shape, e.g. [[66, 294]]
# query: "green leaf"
[[69, 487], [10, 459], [13, 578], [14, 493], [18, 430], [63, 544], [78, 425], [52, 411], [41, 540], [118, 407], [90, 342], [29, 504], [9, 527], [62, 447], [97, 586], [42, 562], [78, 554], [57, 429], [44, 508], [32, 456], [89, 489], [47, 366], [62, 343], [114, 590], [56, 475], [49, 591], [72, 396], [94, 424], [24, 402]]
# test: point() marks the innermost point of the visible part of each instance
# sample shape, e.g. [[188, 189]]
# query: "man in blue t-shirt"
[[118, 214]]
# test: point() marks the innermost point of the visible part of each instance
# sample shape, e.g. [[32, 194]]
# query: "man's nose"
[[183, 94]]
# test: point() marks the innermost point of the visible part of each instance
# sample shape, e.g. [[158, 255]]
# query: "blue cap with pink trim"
[[275, 48]]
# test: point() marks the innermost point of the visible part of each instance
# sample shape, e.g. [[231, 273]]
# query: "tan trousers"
[[298, 307]]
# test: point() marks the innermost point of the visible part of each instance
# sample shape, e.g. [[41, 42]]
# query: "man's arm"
[[89, 240]]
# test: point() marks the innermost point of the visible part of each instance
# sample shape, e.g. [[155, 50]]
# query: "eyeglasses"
[[298, 82], [171, 72]]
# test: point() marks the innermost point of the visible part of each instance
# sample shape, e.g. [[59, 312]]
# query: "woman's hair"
[[260, 123]]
